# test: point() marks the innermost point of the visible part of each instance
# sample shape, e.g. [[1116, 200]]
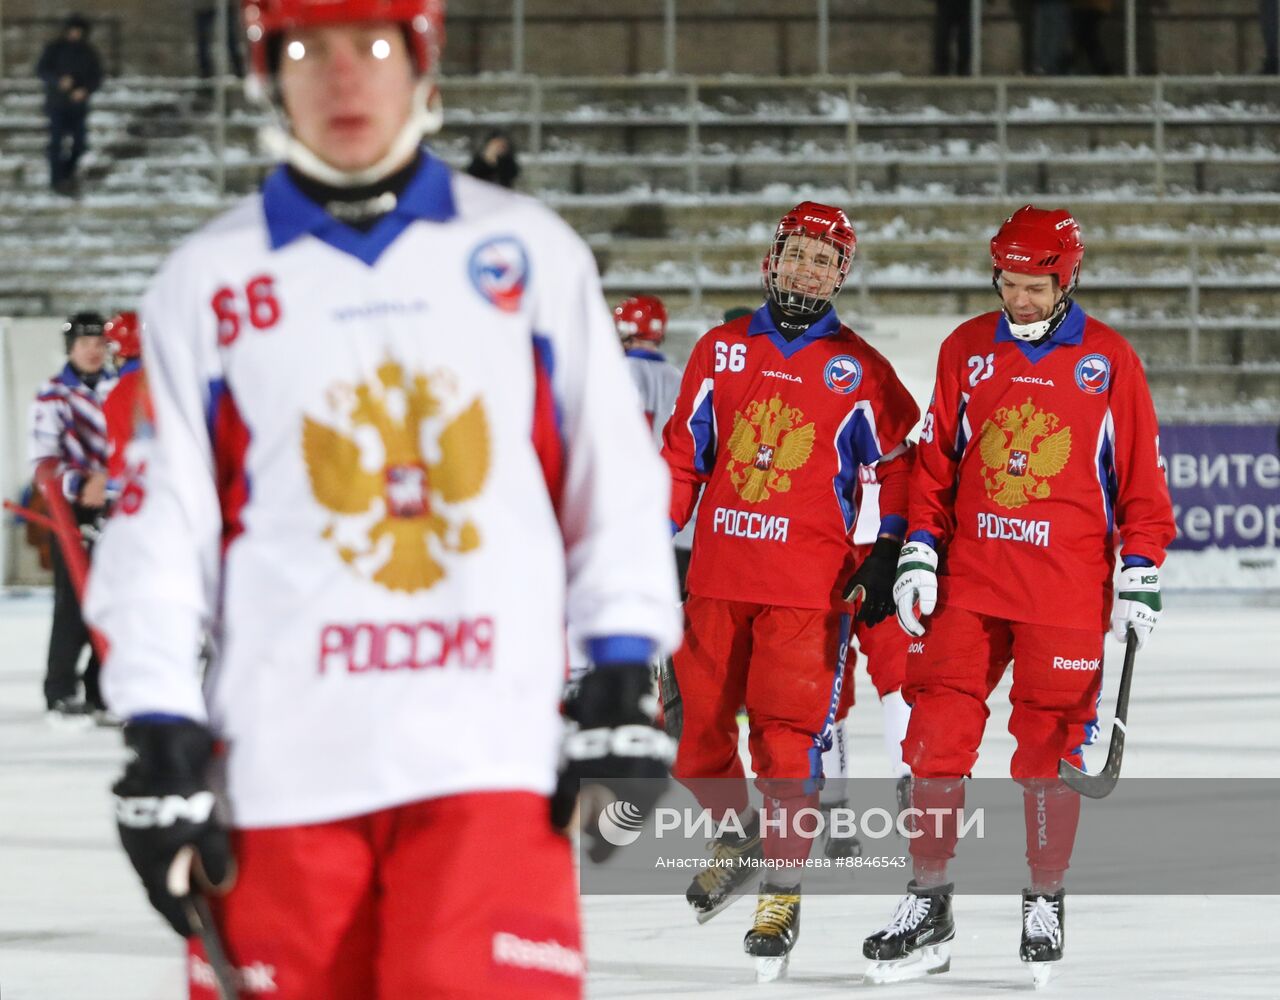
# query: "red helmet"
[[643, 317], [422, 19], [821, 222], [124, 333], [1039, 241]]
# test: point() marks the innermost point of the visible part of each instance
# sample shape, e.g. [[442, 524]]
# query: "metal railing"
[[670, 16]]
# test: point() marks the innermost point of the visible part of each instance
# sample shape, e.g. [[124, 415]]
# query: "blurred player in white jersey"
[[641, 321], [395, 450]]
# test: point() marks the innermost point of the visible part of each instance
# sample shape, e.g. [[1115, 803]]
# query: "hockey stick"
[[200, 917], [66, 535], [1100, 785], [672, 708]]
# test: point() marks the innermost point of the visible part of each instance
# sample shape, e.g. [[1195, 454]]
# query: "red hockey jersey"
[[776, 431], [1031, 461]]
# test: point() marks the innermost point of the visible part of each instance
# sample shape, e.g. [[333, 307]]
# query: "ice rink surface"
[[74, 924]]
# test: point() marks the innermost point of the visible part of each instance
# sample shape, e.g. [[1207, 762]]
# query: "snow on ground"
[[74, 923]]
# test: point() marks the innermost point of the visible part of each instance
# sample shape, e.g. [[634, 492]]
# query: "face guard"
[[809, 259], [1039, 241], [267, 21]]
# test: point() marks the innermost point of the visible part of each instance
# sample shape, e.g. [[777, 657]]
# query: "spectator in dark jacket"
[[71, 71], [496, 161]]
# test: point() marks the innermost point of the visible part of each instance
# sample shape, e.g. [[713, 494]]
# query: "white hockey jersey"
[[658, 382], [387, 468]]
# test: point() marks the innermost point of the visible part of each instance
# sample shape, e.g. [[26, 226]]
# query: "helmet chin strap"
[[427, 118], [1028, 331], [1032, 332]]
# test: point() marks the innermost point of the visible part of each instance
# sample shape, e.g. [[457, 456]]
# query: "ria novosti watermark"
[[621, 824]]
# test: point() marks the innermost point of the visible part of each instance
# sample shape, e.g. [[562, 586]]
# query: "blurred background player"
[[641, 322], [68, 441], [1038, 456], [128, 406], [774, 410], [386, 532]]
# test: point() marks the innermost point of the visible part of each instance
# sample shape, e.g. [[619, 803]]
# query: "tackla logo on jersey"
[[499, 269], [843, 374], [391, 478], [1093, 373], [766, 443], [1022, 449]]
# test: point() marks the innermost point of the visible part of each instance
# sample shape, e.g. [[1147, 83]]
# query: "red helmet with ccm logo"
[[643, 317], [1039, 241], [423, 21], [124, 333], [820, 222]]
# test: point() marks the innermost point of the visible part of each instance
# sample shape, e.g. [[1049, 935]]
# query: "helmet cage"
[[786, 259]]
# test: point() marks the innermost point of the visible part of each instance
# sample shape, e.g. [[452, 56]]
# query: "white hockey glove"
[[1137, 602], [916, 584]]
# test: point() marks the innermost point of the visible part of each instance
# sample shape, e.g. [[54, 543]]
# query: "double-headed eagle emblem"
[[1022, 448], [766, 443], [389, 483]]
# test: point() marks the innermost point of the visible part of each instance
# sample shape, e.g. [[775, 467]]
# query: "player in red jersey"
[[1038, 456], [776, 412], [128, 407]]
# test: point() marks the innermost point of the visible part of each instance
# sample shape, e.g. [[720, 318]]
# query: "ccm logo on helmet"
[[814, 218], [1015, 256]]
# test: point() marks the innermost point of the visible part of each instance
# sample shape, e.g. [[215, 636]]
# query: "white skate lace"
[[1040, 917], [773, 912], [907, 917]]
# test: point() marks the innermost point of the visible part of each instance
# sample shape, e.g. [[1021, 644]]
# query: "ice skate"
[[1043, 933], [916, 941], [774, 932], [838, 846], [732, 869], [69, 716]]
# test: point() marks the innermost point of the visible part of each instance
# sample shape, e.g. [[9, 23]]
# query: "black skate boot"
[[1044, 929], [838, 846], [732, 869], [917, 940], [774, 932]]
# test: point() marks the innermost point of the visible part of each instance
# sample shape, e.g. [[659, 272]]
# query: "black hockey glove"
[[163, 804], [874, 580], [611, 739]]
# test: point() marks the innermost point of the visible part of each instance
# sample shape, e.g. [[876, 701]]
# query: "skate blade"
[[741, 891], [1041, 973], [770, 970], [928, 961]]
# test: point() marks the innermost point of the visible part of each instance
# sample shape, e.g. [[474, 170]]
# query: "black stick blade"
[[1100, 785]]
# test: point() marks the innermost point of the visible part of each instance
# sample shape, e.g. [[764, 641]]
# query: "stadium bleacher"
[[676, 180]]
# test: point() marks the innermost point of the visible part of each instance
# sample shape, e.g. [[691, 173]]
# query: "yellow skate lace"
[[774, 911], [720, 870]]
